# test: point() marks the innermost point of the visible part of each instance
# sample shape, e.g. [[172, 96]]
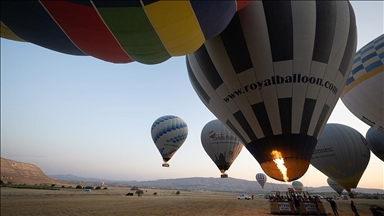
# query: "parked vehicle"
[[244, 197]]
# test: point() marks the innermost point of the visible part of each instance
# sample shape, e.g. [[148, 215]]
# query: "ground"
[[113, 201]]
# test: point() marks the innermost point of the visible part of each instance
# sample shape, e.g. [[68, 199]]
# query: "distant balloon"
[[261, 178], [221, 145], [298, 186], [149, 32], [336, 187], [375, 140], [169, 133], [341, 154], [274, 75], [364, 89]]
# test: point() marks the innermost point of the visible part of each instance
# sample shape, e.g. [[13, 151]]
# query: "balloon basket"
[[165, 165], [224, 175]]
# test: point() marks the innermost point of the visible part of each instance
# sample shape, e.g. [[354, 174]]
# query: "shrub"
[[155, 193], [177, 192], [97, 188], [79, 187], [105, 188], [53, 185], [62, 186], [2, 183], [139, 192]]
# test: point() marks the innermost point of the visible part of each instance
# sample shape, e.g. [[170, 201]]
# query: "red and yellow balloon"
[[149, 32]]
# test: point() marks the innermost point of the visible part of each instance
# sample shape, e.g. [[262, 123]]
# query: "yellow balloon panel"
[[8, 34], [175, 24]]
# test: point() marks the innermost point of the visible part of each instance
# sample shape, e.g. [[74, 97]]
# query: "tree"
[[2, 183], [105, 188], [155, 193], [139, 192], [177, 192], [97, 188], [79, 187], [62, 186], [53, 185]]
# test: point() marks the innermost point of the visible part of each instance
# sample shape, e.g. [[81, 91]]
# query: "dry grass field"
[[113, 201]]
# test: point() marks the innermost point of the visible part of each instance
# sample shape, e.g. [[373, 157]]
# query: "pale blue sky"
[[90, 118]]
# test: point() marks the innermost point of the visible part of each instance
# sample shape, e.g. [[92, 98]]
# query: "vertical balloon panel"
[[274, 75]]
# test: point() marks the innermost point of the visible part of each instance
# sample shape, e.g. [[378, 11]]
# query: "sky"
[[86, 117]]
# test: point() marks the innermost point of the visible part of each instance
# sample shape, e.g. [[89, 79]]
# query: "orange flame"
[[279, 161]]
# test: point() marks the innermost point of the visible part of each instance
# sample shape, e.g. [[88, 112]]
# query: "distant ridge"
[[206, 184], [16, 172]]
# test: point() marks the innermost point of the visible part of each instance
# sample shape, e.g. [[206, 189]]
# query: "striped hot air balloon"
[[274, 75], [364, 89], [261, 178], [375, 142], [341, 154], [149, 32], [298, 186], [169, 133], [336, 187], [221, 145]]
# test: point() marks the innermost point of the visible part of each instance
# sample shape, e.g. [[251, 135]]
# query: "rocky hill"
[[22, 173]]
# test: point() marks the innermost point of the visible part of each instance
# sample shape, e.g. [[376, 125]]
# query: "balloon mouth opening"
[[285, 169]]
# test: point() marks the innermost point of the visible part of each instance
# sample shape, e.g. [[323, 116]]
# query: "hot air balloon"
[[169, 133], [341, 154], [261, 178], [149, 32], [364, 89], [221, 145], [336, 187], [298, 186], [375, 142], [274, 75]]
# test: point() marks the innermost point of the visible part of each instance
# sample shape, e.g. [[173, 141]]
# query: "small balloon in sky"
[[221, 145], [169, 133], [261, 178]]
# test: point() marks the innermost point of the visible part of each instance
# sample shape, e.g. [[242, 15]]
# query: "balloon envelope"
[[149, 32], [375, 140], [274, 75], [336, 187], [221, 145], [364, 89], [261, 178], [298, 186], [169, 133], [341, 154]]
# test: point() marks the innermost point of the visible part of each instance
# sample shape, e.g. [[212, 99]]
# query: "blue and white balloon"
[[169, 133]]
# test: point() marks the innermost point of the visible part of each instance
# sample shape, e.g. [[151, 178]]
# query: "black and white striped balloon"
[[274, 75]]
